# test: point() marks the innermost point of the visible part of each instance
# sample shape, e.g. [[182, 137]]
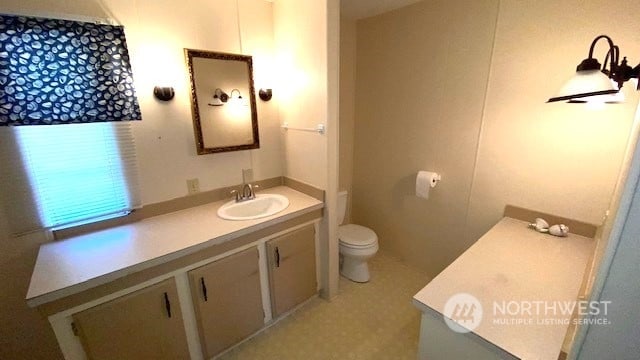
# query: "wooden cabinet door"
[[292, 269], [228, 301], [146, 324]]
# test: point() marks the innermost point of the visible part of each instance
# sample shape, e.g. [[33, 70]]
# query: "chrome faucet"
[[247, 193]]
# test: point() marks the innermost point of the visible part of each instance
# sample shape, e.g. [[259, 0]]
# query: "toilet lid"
[[356, 235]]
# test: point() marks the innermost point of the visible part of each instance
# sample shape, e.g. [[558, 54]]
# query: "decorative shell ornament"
[[561, 230], [541, 225]]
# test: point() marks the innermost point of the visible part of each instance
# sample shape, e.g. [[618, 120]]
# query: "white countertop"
[[514, 263], [82, 262]]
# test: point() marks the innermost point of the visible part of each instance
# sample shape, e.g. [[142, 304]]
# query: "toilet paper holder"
[[436, 179]]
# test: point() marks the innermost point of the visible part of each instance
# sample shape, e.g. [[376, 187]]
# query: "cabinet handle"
[[204, 289], [277, 257], [167, 304]]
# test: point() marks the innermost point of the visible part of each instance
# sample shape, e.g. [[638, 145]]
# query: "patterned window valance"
[[60, 71]]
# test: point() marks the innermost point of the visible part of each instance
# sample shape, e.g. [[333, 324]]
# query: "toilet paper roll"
[[424, 182]]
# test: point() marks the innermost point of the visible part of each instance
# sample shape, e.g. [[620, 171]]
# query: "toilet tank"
[[342, 206]]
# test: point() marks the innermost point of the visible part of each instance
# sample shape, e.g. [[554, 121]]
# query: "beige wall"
[[424, 107], [330, 288], [421, 77], [157, 32], [557, 158], [347, 106], [24, 333]]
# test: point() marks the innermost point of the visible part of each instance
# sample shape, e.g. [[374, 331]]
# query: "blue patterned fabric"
[[60, 71]]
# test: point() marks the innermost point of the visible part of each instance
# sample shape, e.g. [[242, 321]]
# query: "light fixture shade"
[[216, 101], [265, 94], [585, 84], [616, 98]]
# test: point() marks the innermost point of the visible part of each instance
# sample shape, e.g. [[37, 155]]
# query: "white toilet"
[[357, 245]]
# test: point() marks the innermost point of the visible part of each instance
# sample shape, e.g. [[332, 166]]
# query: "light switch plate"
[[193, 186]]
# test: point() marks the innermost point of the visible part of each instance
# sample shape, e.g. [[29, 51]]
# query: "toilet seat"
[[356, 236]]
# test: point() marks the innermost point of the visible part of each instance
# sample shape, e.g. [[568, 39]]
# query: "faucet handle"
[[253, 190], [232, 192]]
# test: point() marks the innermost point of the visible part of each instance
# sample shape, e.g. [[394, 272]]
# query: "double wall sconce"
[[593, 81], [163, 93]]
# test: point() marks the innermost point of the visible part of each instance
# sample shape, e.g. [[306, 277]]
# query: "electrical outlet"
[[247, 175], [193, 186]]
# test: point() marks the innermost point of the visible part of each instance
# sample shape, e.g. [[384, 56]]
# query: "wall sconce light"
[[265, 94], [592, 81], [219, 98], [163, 93], [237, 99]]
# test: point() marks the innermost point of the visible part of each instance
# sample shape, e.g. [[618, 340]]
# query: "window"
[[80, 173], [73, 79]]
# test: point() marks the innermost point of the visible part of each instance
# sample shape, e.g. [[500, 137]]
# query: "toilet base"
[[355, 270]]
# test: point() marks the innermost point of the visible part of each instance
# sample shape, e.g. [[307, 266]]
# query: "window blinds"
[[80, 173]]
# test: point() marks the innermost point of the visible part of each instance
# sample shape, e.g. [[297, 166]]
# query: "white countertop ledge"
[[79, 263], [513, 263]]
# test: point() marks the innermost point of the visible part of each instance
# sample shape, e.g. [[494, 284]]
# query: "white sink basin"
[[262, 206]]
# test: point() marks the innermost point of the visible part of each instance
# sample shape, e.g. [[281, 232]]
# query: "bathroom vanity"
[[507, 268], [183, 285]]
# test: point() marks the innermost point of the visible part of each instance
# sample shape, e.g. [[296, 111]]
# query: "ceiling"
[[358, 9]]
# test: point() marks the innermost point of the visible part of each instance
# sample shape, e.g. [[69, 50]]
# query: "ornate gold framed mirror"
[[223, 103]]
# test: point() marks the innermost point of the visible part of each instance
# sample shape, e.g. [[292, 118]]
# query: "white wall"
[[306, 47], [301, 57]]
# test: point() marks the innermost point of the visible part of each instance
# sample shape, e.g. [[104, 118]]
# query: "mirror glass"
[[223, 101]]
